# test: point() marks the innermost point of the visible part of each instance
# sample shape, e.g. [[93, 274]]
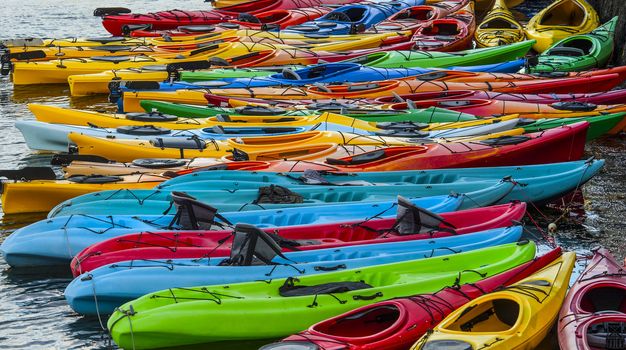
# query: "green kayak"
[[224, 73], [425, 115], [434, 59], [598, 125], [278, 307], [579, 52]]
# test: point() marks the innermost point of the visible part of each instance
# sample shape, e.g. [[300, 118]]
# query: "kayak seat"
[[192, 214], [445, 29], [566, 51], [260, 110], [402, 133], [607, 335], [574, 106], [401, 125], [180, 143], [224, 118], [112, 48], [196, 29], [94, 179], [275, 194], [351, 14], [362, 87], [106, 40], [358, 159], [112, 59], [290, 74], [505, 140], [158, 163], [151, 117], [142, 130], [289, 289], [316, 72], [252, 246], [411, 219]]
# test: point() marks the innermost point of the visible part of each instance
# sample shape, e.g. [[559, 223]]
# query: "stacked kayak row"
[[322, 174]]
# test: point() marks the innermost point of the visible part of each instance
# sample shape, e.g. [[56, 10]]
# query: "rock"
[[607, 9]]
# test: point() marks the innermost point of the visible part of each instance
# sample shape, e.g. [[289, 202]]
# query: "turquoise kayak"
[[244, 191]]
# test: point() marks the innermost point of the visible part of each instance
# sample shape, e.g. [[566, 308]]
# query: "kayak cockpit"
[[491, 316], [374, 322], [567, 13], [574, 48], [604, 299]]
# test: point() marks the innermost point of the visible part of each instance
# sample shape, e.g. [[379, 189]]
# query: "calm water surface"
[[33, 312]]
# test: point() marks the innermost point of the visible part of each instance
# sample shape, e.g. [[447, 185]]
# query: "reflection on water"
[[34, 313]]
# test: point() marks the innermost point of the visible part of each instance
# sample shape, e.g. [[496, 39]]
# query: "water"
[[33, 313]]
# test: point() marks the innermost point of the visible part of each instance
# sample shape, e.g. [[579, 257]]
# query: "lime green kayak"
[[279, 307], [598, 125], [579, 52], [434, 59], [224, 73], [424, 115]]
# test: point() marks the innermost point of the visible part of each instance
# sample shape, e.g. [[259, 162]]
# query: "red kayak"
[[487, 108], [452, 33], [613, 97], [398, 323], [118, 21], [562, 144], [267, 20], [593, 315], [196, 244], [415, 17]]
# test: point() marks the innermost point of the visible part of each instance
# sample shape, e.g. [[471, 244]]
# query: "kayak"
[[434, 59], [127, 149], [59, 239], [600, 125], [516, 317], [592, 315], [579, 52], [58, 115], [130, 100], [81, 297], [486, 108], [57, 71], [54, 137], [354, 18], [561, 19], [115, 23], [332, 73], [451, 33], [499, 27], [19, 196], [405, 319], [303, 301], [98, 83], [415, 17], [613, 97], [428, 115], [560, 144], [254, 196]]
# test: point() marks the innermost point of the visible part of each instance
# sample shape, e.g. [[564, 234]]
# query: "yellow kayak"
[[126, 150], [514, 318], [561, 19], [42, 195], [499, 27], [59, 115], [296, 153], [57, 71]]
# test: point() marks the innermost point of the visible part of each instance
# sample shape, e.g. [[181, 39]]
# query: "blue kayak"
[[112, 285], [352, 19], [55, 241], [538, 183], [347, 72]]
